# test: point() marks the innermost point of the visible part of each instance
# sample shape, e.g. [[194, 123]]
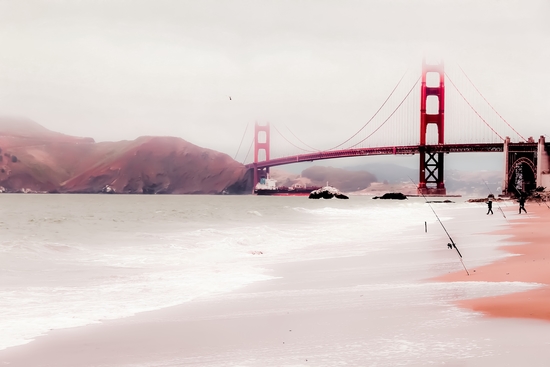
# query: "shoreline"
[[529, 261], [311, 311]]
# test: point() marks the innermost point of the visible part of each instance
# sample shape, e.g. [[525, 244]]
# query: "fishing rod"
[[541, 200], [452, 244], [498, 206], [544, 201]]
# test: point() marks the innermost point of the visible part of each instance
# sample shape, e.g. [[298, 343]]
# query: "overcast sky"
[[117, 69]]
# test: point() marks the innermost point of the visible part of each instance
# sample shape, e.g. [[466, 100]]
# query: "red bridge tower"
[[261, 143], [431, 164]]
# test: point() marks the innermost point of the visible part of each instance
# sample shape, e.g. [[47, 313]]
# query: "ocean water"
[[73, 260]]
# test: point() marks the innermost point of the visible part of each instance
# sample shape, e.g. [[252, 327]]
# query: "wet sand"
[[530, 262]]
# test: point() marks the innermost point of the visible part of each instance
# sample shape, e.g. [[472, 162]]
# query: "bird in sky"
[[230, 98]]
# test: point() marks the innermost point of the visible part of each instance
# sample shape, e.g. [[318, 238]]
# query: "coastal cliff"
[[35, 159]]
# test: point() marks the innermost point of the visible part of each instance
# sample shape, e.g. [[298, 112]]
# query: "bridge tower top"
[[432, 90], [261, 141]]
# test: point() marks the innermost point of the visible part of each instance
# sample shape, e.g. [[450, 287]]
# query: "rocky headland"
[[35, 159]]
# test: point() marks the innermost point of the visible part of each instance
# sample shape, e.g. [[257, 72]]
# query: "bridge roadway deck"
[[397, 150]]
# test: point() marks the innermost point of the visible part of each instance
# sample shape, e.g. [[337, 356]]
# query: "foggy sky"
[[115, 69]]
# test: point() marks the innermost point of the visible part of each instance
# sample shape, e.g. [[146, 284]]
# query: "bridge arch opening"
[[522, 176], [262, 137], [432, 79], [432, 105], [262, 155], [432, 134]]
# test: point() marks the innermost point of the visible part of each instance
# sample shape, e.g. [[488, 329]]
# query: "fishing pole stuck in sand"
[[451, 244]]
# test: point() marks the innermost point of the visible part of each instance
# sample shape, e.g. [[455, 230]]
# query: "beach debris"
[[483, 200], [327, 192], [392, 195], [540, 195]]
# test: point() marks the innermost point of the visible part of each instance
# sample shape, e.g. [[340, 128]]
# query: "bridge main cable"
[[472, 107], [300, 140], [373, 116], [502, 118], [291, 143], [386, 120], [241, 143]]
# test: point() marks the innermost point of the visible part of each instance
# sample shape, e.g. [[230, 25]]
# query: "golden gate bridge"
[[424, 116]]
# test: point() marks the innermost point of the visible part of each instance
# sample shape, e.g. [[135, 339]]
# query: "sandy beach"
[[531, 263], [325, 313]]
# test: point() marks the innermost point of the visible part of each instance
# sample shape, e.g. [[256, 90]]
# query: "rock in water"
[[327, 192], [341, 196], [392, 195]]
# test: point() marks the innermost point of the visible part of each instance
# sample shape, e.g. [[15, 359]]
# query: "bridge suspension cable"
[[482, 96], [300, 140], [472, 107], [239, 148], [249, 149], [373, 116], [291, 143], [387, 119]]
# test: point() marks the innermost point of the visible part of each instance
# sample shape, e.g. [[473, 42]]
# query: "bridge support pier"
[[543, 164], [524, 166], [431, 180], [506, 178], [431, 169]]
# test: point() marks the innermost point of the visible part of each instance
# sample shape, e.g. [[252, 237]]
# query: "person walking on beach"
[[490, 206], [522, 204]]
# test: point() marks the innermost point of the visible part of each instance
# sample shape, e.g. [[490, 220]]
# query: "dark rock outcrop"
[[327, 192], [392, 195]]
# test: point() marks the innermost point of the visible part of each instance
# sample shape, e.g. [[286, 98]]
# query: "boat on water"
[[268, 186]]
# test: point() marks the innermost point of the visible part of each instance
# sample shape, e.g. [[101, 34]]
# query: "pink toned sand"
[[531, 264]]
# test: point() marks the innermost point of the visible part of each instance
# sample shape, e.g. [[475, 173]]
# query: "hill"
[[377, 179], [36, 159], [393, 177], [344, 180]]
